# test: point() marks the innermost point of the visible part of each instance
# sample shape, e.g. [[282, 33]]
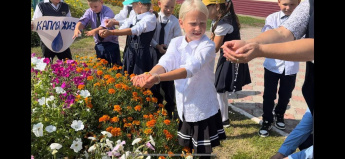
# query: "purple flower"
[[148, 144]]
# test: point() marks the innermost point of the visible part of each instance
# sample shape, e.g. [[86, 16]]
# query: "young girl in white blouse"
[[189, 61]]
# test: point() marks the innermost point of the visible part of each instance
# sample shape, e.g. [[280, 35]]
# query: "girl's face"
[[167, 6], [212, 11], [194, 25], [96, 7]]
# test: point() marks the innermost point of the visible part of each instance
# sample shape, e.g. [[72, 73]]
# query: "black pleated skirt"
[[225, 75], [202, 135]]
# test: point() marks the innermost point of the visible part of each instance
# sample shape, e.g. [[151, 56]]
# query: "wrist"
[[157, 75]]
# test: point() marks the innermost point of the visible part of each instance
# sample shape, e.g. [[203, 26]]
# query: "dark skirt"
[[202, 135], [225, 75]]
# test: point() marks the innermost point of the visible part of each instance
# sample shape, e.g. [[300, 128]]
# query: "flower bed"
[[82, 108]]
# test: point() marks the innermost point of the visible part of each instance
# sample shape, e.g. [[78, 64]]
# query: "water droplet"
[[57, 42]]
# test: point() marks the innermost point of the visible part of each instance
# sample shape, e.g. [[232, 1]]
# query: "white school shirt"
[[172, 29], [196, 96], [122, 15], [146, 24], [38, 12], [275, 65], [222, 28]]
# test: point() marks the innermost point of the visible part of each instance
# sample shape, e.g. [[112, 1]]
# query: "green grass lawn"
[[243, 141]]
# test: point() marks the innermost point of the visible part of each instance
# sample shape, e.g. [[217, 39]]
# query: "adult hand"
[[278, 156], [239, 51]]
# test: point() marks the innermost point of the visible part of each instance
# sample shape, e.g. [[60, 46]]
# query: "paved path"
[[249, 100]]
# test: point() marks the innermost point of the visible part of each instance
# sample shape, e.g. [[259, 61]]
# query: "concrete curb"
[[255, 119]]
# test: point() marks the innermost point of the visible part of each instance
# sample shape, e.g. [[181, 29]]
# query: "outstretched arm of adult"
[[277, 35], [297, 50]]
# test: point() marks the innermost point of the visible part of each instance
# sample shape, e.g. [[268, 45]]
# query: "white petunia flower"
[[135, 141], [125, 156], [152, 141], [106, 157], [50, 128], [86, 155], [38, 129], [92, 148], [91, 138], [109, 143], [108, 134], [77, 125], [40, 66], [42, 100], [85, 93], [59, 90], [77, 145], [55, 146]]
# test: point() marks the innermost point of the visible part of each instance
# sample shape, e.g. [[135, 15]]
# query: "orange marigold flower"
[[99, 72], [165, 131], [118, 75], [111, 80], [125, 87], [130, 118], [118, 86], [89, 78], [151, 116], [148, 92], [106, 76], [109, 128], [132, 75], [154, 100], [167, 122], [148, 99], [111, 91], [127, 125], [86, 69], [114, 119], [168, 136], [104, 118], [160, 105], [117, 108], [79, 69], [129, 136], [124, 120], [77, 98], [145, 116], [161, 157], [169, 153], [155, 114], [151, 123], [81, 86], [148, 131], [186, 149], [129, 108], [120, 67], [89, 105], [136, 122], [164, 112], [116, 131], [96, 84], [135, 94], [137, 108]]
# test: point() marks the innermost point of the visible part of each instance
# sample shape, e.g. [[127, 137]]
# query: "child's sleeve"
[[268, 23], [146, 24]]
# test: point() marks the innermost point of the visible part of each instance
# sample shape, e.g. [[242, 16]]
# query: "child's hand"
[[90, 33], [77, 33], [109, 22], [162, 48], [104, 33]]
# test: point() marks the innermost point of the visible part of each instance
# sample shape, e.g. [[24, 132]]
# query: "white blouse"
[[196, 96]]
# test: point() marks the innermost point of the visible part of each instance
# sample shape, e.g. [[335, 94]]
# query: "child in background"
[[106, 48], [126, 12], [160, 42], [52, 8], [137, 57], [189, 61], [277, 70], [225, 26]]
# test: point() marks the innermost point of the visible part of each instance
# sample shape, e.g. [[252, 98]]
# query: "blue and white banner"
[[55, 32]]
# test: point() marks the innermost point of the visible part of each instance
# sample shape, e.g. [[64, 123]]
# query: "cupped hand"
[[104, 33]]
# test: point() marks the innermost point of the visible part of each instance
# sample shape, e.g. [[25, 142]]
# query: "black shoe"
[[226, 123], [279, 122], [266, 126]]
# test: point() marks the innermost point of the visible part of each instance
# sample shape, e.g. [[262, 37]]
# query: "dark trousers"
[[169, 95], [47, 53], [110, 52], [286, 86]]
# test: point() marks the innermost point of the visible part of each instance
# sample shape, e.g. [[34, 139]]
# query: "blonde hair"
[[192, 5]]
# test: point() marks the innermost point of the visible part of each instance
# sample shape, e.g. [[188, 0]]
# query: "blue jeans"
[[110, 52]]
